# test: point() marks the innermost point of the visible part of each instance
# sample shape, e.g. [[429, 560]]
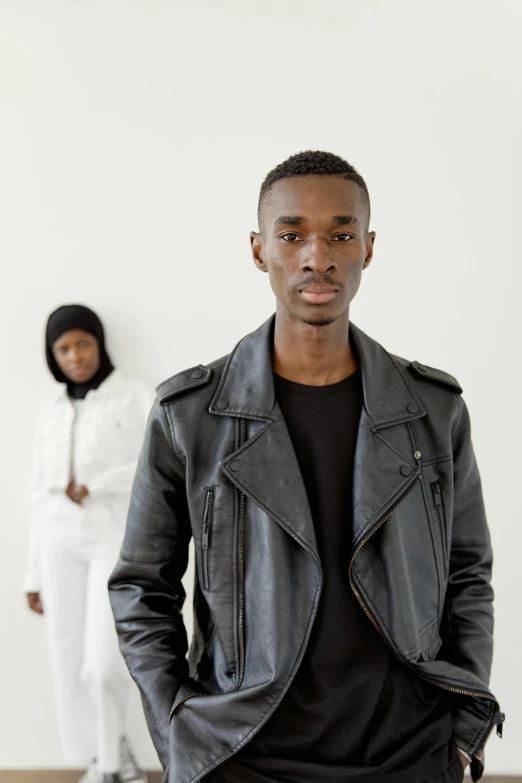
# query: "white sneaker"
[[91, 774], [130, 771]]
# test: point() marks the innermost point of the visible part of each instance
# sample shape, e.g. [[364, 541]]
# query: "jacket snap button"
[[405, 470], [235, 465], [197, 374], [421, 368], [413, 407], [222, 404]]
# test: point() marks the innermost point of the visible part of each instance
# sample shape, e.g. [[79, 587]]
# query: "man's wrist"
[[466, 755]]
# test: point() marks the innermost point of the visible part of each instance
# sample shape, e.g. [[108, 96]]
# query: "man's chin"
[[313, 316], [318, 319]]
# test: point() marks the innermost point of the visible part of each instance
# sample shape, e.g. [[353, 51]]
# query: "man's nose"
[[318, 258]]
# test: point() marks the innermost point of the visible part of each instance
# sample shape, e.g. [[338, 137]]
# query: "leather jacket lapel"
[[381, 476], [266, 470]]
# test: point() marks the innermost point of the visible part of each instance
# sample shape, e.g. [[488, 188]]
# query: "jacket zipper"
[[208, 514], [498, 720], [182, 701], [241, 565], [364, 541], [432, 680], [439, 505]]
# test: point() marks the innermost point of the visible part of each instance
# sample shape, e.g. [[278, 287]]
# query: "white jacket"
[[107, 436]]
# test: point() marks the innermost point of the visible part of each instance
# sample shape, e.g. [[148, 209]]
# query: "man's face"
[[314, 245], [77, 354]]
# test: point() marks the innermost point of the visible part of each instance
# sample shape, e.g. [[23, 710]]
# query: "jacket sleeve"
[[145, 588], [469, 598]]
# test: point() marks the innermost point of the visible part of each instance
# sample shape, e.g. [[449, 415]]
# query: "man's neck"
[[313, 355]]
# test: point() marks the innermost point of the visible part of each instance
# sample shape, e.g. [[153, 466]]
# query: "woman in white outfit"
[[88, 441]]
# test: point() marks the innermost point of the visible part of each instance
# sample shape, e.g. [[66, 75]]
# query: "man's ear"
[[370, 241], [258, 254]]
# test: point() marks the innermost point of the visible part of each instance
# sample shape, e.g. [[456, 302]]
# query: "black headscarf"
[[76, 317]]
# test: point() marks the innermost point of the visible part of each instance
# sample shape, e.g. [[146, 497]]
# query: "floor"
[[50, 776], [55, 776]]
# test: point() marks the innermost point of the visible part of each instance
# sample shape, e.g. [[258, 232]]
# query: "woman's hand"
[[76, 493], [34, 603]]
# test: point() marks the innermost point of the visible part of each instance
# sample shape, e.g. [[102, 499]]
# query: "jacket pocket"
[[438, 501], [206, 534]]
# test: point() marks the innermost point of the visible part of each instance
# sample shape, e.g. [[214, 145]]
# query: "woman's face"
[[77, 354]]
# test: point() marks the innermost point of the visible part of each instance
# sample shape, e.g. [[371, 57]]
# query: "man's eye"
[[290, 237], [342, 237]]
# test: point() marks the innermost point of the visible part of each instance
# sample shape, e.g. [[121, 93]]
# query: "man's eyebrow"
[[344, 220], [296, 220], [288, 220]]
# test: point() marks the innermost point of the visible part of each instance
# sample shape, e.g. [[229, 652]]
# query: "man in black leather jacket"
[[342, 604]]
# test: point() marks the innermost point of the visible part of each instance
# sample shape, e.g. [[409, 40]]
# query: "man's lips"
[[319, 294]]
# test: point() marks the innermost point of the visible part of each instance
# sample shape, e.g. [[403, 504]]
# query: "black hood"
[[63, 320]]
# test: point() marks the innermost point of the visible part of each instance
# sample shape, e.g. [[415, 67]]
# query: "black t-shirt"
[[353, 712]]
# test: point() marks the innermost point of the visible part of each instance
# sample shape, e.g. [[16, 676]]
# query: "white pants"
[[90, 677]]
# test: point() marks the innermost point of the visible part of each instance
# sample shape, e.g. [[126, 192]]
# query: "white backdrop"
[[134, 136]]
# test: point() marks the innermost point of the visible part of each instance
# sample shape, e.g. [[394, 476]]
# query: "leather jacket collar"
[[246, 389]]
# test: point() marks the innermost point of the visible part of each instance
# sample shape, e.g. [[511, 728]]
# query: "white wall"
[[133, 138]]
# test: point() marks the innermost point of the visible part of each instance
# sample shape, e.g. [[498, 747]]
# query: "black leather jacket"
[[218, 466]]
